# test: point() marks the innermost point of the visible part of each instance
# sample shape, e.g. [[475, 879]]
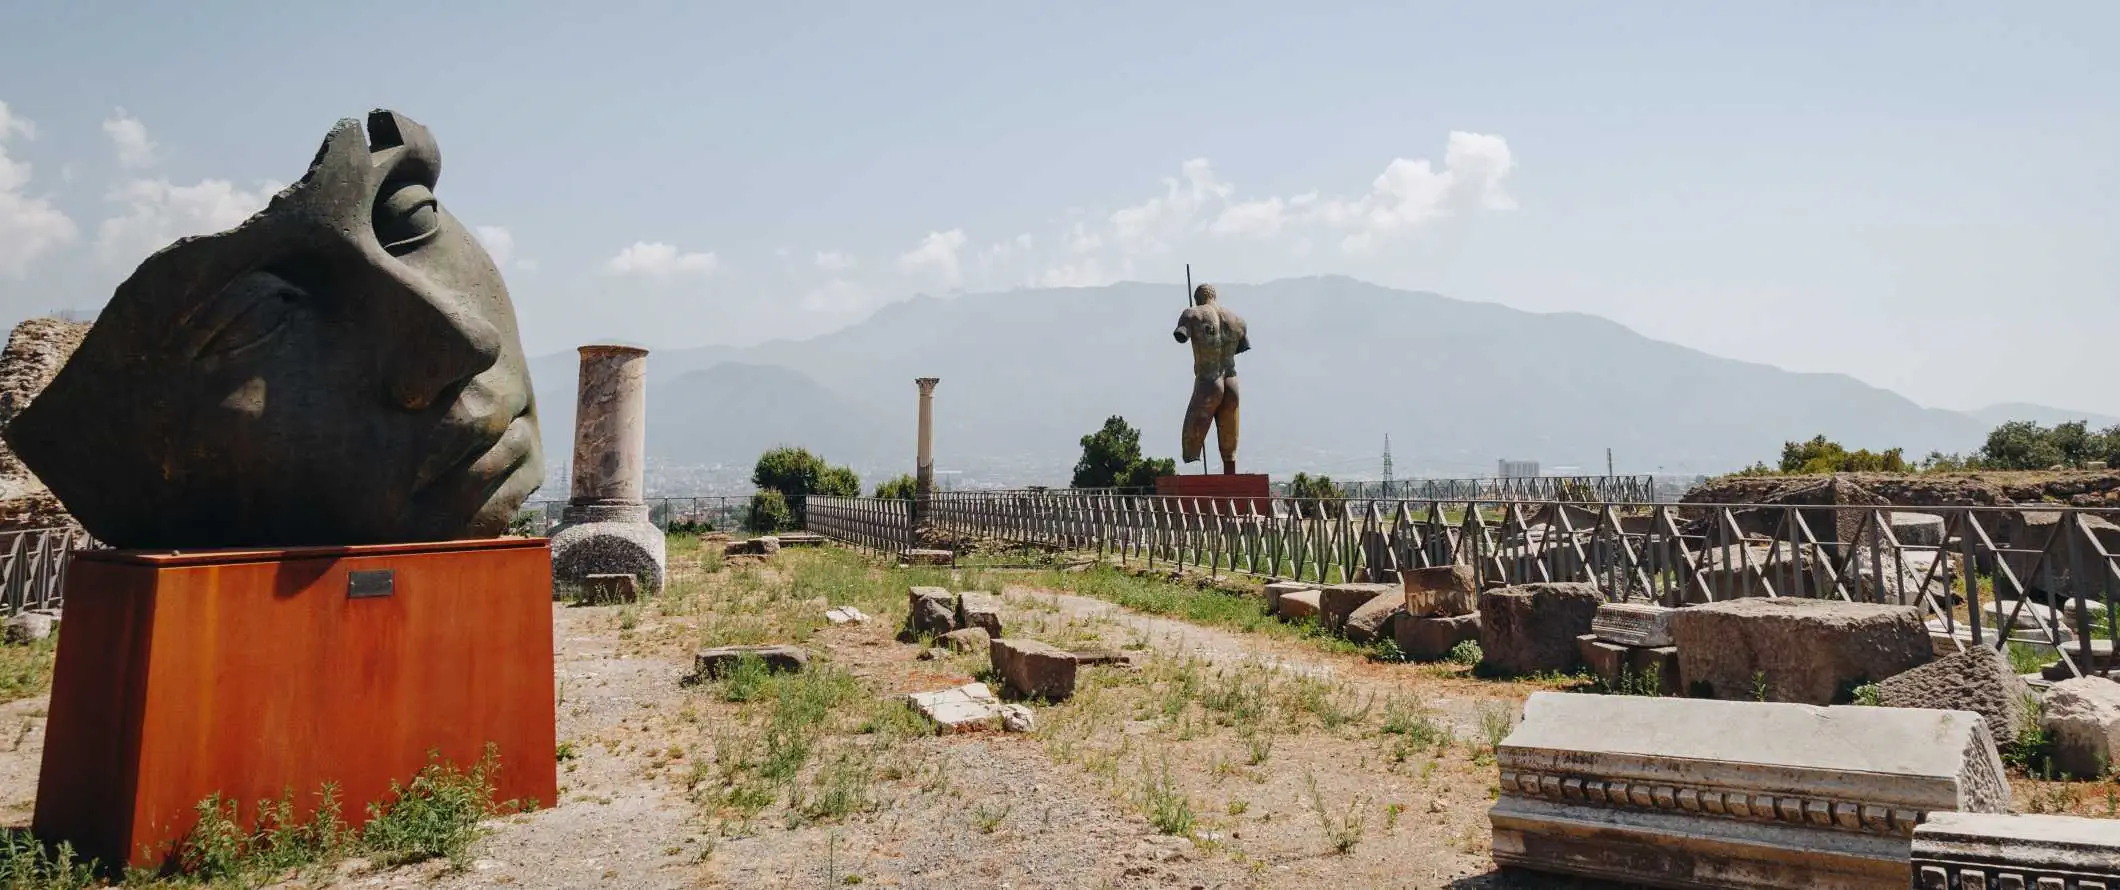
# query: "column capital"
[[926, 384]]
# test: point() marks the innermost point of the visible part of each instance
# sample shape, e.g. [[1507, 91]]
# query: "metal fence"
[[1620, 489], [33, 567], [2048, 577], [709, 513]]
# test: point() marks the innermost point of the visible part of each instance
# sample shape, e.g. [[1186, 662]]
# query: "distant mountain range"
[[1337, 364]]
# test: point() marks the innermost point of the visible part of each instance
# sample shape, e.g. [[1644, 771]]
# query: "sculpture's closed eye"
[[406, 215], [249, 311]]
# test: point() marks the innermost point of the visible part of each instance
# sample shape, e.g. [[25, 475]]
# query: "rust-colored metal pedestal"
[[259, 673], [1245, 492]]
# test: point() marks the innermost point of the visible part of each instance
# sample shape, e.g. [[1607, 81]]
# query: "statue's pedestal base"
[[260, 673], [1245, 492]]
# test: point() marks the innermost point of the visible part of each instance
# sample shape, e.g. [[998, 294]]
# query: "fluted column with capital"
[[924, 466]]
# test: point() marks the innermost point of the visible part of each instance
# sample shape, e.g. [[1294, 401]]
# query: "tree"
[[768, 513], [902, 488], [838, 482], [2073, 441], [1310, 491], [794, 474], [2020, 445], [1111, 458], [1822, 455]]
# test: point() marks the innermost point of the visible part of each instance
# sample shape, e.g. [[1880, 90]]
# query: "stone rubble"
[[1440, 591], [716, 661], [1795, 650], [846, 615], [1533, 628], [968, 708], [605, 589], [2083, 716], [1031, 669]]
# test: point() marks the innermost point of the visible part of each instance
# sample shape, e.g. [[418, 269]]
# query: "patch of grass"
[[1465, 653], [1417, 727], [1342, 830], [26, 864], [988, 819], [1164, 803], [2033, 749], [435, 817], [1496, 720], [1870, 695], [26, 669]]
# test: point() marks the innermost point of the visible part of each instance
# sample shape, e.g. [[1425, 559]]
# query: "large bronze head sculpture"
[[342, 368]]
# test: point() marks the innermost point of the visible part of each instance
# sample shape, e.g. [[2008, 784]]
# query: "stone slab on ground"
[[1374, 620], [979, 609], [767, 545], [966, 708], [846, 615], [603, 590], [1809, 651], [33, 625], [1633, 624], [1606, 661], [2083, 717], [966, 639], [1977, 680], [1675, 792], [1530, 628], [1439, 591], [1033, 669], [800, 539], [1274, 591], [1097, 657], [926, 557], [1337, 601], [1298, 605], [715, 662], [1916, 529], [2101, 659], [1430, 639], [1964, 851]]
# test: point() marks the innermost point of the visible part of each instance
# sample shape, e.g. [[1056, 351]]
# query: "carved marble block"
[[1633, 624], [1980, 851], [1693, 793]]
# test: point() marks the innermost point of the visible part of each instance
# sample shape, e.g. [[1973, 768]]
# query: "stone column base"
[[608, 539]]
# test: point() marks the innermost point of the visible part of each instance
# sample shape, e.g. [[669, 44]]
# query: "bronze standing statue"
[[1216, 335]]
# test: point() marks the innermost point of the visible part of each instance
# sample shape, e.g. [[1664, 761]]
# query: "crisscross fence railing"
[[33, 567], [2040, 580]]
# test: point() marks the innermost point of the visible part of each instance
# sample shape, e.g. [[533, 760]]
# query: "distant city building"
[[1517, 469]]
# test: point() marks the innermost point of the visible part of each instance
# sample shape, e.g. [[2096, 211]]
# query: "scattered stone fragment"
[[966, 708], [1532, 628], [1033, 669], [1440, 591], [1917, 529], [1429, 639], [1677, 792], [1017, 718], [966, 639], [1374, 620], [602, 590], [979, 609], [714, 538], [1632, 624], [1977, 680], [713, 663], [1969, 850], [31, 626], [926, 557], [846, 615], [800, 539], [1795, 650], [1275, 591], [1338, 601], [2032, 622], [930, 610], [934, 653], [1298, 605], [1099, 656], [2101, 660], [1606, 661], [2083, 716], [764, 546]]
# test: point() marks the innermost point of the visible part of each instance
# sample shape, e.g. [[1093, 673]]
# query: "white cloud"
[[1152, 226], [661, 261], [937, 256], [500, 245], [29, 227], [129, 136], [1407, 195], [834, 261], [158, 212]]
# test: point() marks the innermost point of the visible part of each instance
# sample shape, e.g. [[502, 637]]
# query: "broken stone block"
[[1964, 851], [1606, 661], [930, 610], [965, 639], [1275, 590], [1795, 650], [1532, 628], [846, 615], [978, 609], [799, 539], [1373, 620], [1977, 680], [966, 708], [2028, 621], [1916, 529], [1632, 624], [715, 662], [1654, 667], [1032, 669], [1430, 639], [1338, 601], [32, 626], [2083, 716], [1440, 591], [1098, 657], [1017, 718], [926, 557], [1675, 792], [1299, 605], [602, 590], [2101, 660], [764, 546]]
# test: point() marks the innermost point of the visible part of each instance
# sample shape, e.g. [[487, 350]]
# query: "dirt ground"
[[1223, 759]]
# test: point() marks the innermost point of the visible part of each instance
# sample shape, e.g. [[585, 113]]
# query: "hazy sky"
[[1919, 194]]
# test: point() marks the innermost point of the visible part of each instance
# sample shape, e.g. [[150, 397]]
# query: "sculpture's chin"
[[478, 498]]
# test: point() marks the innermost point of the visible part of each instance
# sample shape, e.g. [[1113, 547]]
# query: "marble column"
[[924, 467], [605, 528]]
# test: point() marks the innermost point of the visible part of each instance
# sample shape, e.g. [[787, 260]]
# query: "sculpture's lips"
[[484, 466]]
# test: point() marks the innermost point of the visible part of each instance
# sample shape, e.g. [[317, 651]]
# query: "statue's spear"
[[1188, 290]]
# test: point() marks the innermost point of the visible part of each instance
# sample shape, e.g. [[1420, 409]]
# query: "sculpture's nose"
[[440, 341]]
